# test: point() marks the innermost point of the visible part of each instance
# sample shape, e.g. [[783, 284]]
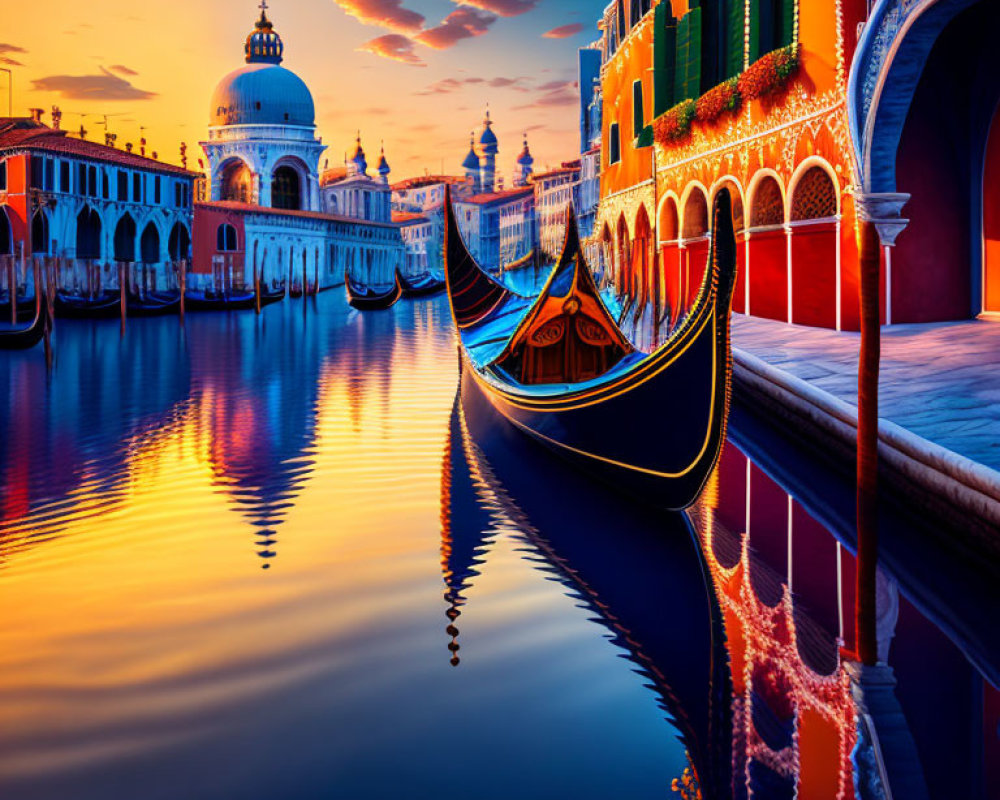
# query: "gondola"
[[560, 369], [421, 285], [107, 305], [26, 338], [268, 298], [154, 304], [365, 299], [210, 300]]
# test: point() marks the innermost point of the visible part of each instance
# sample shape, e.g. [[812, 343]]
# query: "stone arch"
[[667, 219], [736, 197], [179, 242], [813, 191], [124, 242], [289, 183], [766, 200], [694, 222], [149, 244], [236, 181], [39, 232], [642, 254], [622, 256], [88, 234]]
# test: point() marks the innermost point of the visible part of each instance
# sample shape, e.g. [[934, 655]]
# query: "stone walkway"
[[940, 381]]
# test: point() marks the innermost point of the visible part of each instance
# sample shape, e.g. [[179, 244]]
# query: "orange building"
[[746, 97]]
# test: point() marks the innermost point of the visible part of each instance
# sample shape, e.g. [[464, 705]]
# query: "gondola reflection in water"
[[559, 368]]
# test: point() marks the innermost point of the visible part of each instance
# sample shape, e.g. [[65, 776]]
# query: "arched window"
[[150, 244], [88, 234], [39, 233], [695, 215], [125, 239], [237, 183], [667, 223], [766, 205], [814, 196], [179, 244], [286, 190], [735, 201], [226, 238]]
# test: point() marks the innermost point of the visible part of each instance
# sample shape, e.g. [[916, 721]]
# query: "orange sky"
[[155, 64]]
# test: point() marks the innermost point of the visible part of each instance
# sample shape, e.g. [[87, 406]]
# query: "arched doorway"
[[39, 233], [179, 243], [623, 257], [642, 257], [767, 244], [736, 204], [814, 252], [286, 189], [150, 245], [236, 183], [695, 235], [668, 233], [125, 239], [88, 234]]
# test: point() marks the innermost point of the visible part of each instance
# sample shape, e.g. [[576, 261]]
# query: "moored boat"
[[364, 298], [420, 285], [24, 338], [561, 370], [210, 300], [107, 305], [154, 304]]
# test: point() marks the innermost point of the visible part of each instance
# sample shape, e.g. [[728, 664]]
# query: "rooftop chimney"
[[36, 114]]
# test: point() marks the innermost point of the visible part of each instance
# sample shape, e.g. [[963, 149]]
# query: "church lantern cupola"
[[263, 45], [358, 163], [471, 163], [383, 166], [525, 164]]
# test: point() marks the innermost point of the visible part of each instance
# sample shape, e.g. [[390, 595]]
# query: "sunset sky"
[[416, 73]]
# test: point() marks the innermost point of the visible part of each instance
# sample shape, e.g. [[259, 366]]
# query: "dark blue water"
[[277, 557]]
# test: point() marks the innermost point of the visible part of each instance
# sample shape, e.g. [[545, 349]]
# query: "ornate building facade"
[[268, 211]]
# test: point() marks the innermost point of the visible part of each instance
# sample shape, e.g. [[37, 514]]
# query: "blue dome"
[[471, 160], [262, 94]]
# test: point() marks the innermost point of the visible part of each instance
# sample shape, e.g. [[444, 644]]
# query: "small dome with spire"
[[383, 165], [263, 45], [472, 159], [358, 159], [488, 140], [525, 159]]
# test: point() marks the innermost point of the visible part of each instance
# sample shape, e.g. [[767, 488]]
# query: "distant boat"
[[421, 285], [268, 298], [366, 299], [26, 338], [107, 305], [560, 369], [211, 300], [520, 263], [154, 304]]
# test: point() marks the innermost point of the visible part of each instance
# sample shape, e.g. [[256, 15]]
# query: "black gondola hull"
[[154, 305], [200, 302], [367, 300], [107, 306], [26, 338], [425, 286]]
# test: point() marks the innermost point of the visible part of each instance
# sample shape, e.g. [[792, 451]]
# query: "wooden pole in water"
[[122, 293], [256, 281], [867, 489], [316, 274], [183, 285], [12, 290]]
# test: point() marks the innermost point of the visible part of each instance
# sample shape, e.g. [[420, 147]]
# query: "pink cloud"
[[91, 87], [395, 47], [6, 50], [504, 8], [564, 31], [464, 22], [121, 69], [386, 13]]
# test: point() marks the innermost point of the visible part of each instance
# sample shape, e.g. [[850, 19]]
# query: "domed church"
[[262, 146], [264, 214]]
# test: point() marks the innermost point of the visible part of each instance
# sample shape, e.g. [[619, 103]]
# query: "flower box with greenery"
[[718, 100], [675, 123], [768, 73]]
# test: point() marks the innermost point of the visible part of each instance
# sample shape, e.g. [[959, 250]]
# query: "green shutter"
[[736, 13], [755, 10], [787, 22], [638, 116], [681, 51], [664, 54], [692, 71]]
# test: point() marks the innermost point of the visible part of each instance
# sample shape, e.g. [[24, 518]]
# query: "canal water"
[[276, 557]]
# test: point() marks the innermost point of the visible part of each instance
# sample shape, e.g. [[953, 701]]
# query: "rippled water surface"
[[258, 558]]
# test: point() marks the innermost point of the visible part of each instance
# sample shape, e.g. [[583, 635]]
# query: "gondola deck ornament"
[[558, 368]]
